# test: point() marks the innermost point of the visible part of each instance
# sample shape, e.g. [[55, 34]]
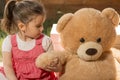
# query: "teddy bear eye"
[[82, 40], [99, 40]]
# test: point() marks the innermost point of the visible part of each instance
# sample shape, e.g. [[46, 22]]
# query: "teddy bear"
[[87, 37]]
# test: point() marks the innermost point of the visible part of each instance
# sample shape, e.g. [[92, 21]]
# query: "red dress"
[[24, 62]]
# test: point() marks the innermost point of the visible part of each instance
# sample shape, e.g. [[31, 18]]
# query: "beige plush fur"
[[117, 42], [116, 50], [87, 37]]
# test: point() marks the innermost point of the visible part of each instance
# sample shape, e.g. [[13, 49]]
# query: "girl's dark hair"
[[20, 11]]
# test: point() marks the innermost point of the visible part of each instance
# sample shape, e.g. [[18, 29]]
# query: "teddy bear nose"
[[91, 51]]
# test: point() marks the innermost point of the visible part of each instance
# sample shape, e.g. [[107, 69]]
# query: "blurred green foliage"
[[1, 40]]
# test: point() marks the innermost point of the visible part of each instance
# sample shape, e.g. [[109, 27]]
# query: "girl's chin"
[[37, 36]]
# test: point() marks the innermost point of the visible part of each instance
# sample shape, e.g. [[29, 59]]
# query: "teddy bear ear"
[[111, 14], [63, 21]]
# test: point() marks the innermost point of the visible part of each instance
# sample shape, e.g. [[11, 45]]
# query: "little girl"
[[23, 21]]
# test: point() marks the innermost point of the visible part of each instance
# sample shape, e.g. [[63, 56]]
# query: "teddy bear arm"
[[118, 58], [51, 61], [117, 42], [116, 54]]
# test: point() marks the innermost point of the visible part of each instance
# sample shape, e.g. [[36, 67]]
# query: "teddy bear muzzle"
[[89, 51]]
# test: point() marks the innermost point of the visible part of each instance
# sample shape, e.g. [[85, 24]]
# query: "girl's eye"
[[82, 40], [99, 40], [38, 26]]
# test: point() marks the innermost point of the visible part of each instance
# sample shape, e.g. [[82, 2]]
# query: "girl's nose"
[[42, 28]]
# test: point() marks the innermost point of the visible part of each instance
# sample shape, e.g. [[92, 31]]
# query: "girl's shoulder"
[[7, 38], [6, 44], [46, 39], [47, 43]]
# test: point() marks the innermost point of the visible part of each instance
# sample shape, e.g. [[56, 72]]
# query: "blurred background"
[[56, 8]]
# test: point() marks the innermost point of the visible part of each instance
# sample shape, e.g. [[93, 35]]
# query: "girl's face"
[[35, 27]]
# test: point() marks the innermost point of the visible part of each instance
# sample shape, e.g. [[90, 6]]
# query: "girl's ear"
[[21, 26]]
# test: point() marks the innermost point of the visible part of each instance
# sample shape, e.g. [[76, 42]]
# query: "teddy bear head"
[[88, 32]]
